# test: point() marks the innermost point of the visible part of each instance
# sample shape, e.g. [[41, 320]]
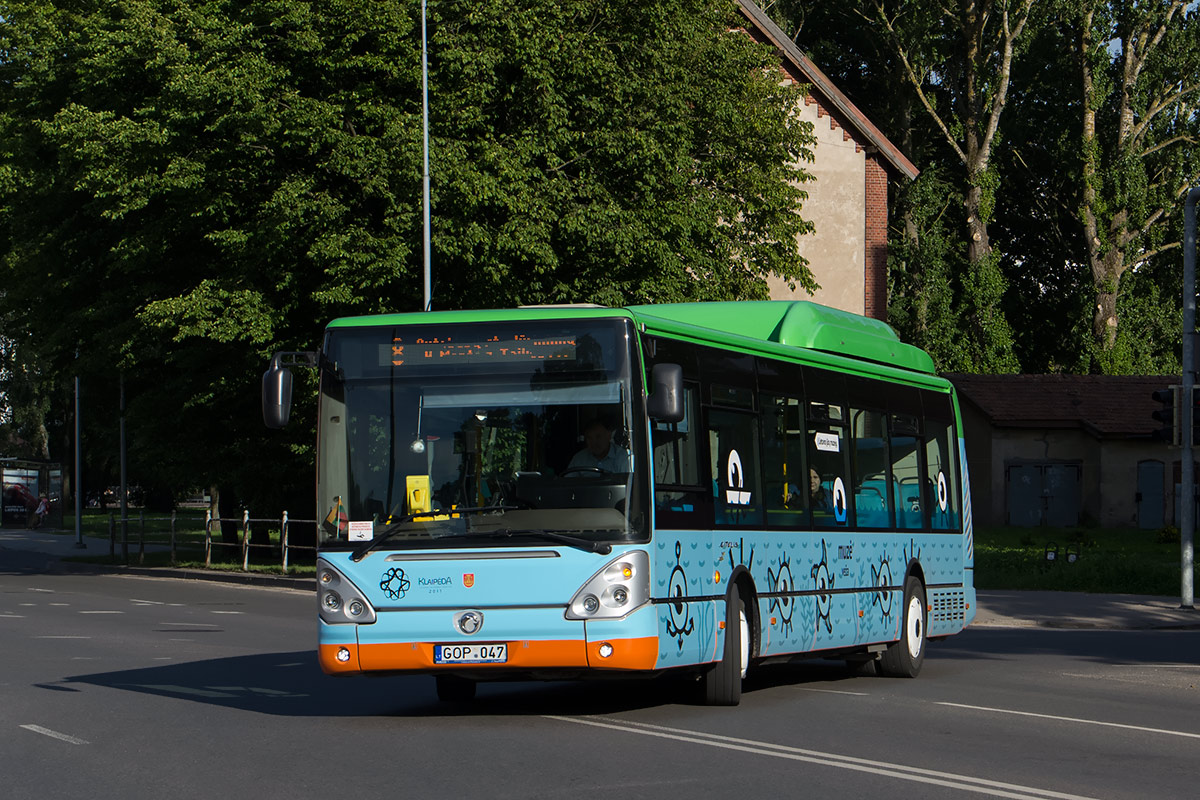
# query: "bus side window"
[[906, 472], [733, 450], [872, 494], [678, 496], [942, 482], [785, 480], [828, 449]]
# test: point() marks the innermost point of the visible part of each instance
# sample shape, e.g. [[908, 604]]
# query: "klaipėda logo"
[[468, 579], [394, 583]]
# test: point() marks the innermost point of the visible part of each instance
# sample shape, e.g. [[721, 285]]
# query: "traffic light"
[[1168, 415]]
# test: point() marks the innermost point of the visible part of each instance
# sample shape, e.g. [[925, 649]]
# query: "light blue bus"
[[563, 492]]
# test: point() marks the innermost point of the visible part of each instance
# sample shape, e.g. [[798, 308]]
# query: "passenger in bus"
[[600, 452], [818, 495]]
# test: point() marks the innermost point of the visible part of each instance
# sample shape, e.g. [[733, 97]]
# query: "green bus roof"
[[791, 323], [794, 323]]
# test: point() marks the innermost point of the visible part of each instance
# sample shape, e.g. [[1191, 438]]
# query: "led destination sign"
[[413, 351]]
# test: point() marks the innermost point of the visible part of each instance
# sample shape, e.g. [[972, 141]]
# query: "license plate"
[[470, 653]]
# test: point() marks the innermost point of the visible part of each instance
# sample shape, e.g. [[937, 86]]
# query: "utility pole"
[[428, 306], [78, 469], [1187, 522]]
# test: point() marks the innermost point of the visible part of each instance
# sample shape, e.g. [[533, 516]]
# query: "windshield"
[[525, 428]]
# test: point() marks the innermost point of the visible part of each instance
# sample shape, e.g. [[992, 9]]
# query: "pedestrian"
[[42, 510]]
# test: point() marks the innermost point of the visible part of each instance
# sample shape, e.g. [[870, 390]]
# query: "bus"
[[563, 492]]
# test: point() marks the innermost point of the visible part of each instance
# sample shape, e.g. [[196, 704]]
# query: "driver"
[[601, 452]]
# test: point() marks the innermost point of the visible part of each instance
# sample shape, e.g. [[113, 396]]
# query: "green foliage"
[[186, 187]]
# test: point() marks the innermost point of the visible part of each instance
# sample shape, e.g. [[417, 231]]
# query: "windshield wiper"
[[395, 527], [588, 545]]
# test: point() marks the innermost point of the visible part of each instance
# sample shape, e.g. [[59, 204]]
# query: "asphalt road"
[[124, 687]]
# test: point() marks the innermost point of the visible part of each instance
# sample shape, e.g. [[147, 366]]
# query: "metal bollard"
[[173, 539], [283, 541], [208, 519], [245, 540]]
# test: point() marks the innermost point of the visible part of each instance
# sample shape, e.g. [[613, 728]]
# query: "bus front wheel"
[[903, 659], [723, 682]]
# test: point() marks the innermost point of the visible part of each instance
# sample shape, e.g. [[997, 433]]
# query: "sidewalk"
[[44, 550], [1079, 611]]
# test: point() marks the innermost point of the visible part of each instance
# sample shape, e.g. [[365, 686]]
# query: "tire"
[[903, 659], [723, 682], [454, 689]]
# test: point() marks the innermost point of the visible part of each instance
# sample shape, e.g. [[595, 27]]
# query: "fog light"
[[332, 601], [343, 655], [620, 596], [327, 577], [606, 650], [591, 604], [355, 608]]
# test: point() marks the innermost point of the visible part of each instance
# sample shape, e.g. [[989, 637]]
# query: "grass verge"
[[1121, 561]]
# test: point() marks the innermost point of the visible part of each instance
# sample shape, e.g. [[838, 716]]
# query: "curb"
[[243, 578]]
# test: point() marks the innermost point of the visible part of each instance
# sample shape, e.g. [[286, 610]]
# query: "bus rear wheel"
[[455, 689], [903, 659], [723, 682]]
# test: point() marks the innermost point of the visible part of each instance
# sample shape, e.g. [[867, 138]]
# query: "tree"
[[1139, 130], [188, 187]]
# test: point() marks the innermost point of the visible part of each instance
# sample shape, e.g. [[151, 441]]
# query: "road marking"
[[1163, 731], [101, 612], [60, 604], [62, 737], [1160, 666], [899, 771], [830, 691], [227, 612], [193, 624], [147, 602], [12, 616], [44, 591], [62, 637]]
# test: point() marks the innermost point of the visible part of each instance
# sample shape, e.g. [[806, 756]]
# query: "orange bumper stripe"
[[630, 654]]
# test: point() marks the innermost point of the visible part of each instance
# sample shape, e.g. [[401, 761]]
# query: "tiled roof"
[[1104, 405]]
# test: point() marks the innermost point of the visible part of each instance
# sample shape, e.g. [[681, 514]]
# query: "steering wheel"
[[569, 470]]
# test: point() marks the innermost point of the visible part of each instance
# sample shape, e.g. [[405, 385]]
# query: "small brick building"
[[848, 201]]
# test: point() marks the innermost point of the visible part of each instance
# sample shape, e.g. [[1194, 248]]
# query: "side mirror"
[[665, 403], [277, 393]]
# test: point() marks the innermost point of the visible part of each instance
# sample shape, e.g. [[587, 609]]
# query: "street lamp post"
[[428, 306]]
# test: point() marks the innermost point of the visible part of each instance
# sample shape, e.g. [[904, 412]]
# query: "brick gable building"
[[848, 201]]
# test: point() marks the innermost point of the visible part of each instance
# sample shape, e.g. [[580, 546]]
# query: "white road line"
[[60, 604], [45, 591], [193, 624], [830, 691], [12, 616], [1160, 666], [147, 602], [101, 612], [227, 612], [898, 771], [62, 737], [62, 637], [1163, 731]]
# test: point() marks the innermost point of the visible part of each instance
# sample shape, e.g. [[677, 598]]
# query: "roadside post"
[[1187, 523]]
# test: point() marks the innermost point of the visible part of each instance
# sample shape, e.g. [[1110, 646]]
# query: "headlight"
[[340, 601], [620, 587]]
